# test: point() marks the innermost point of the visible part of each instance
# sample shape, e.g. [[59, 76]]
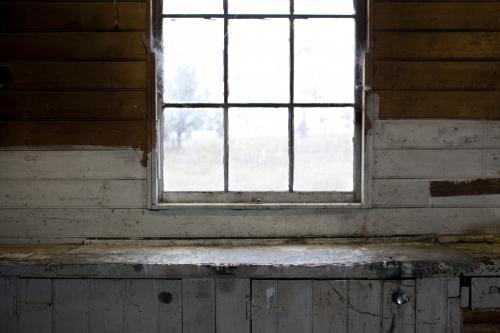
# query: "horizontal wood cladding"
[[437, 45], [439, 104], [437, 75], [79, 16], [73, 46], [437, 15], [73, 133], [77, 75], [73, 105]]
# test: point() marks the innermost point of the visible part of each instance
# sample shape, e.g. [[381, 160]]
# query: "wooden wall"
[[73, 127]]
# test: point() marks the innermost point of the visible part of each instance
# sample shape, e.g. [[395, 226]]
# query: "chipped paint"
[[446, 188]]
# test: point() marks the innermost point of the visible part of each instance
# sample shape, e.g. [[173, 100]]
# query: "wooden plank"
[[294, 306], [481, 321], [73, 133], [198, 304], [485, 293], [437, 45], [454, 319], [439, 104], [8, 304], [429, 15], [140, 306], [77, 75], [232, 299], [264, 306], [398, 317], [73, 193], [36, 305], [329, 307], [170, 308], [436, 75], [71, 305], [100, 164], [73, 105], [106, 305], [432, 294], [364, 307], [44, 16], [76, 46]]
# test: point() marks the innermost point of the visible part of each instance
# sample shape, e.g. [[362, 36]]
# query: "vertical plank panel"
[[264, 304], [398, 317], [198, 304], [294, 306], [171, 312], [106, 306], [71, 305], [454, 312], [364, 310], [432, 297], [141, 306], [36, 306], [8, 312], [232, 297], [329, 308]]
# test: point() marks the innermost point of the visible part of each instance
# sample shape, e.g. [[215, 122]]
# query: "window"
[[261, 101]]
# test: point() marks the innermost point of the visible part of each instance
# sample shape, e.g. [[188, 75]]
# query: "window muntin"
[[276, 76]]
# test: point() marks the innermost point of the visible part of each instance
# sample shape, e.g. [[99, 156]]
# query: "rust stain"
[[468, 187]]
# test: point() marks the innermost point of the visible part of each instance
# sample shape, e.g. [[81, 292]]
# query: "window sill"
[[256, 206]]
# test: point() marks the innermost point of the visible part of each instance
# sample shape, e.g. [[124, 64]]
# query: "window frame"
[[270, 199]]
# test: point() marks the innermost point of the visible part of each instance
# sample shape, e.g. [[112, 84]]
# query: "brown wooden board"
[[75, 76], [88, 133], [73, 105], [73, 46], [79, 16]]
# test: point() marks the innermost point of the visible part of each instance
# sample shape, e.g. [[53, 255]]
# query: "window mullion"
[[291, 108], [226, 97]]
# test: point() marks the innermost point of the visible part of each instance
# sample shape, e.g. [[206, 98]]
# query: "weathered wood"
[[140, 306], [233, 302], [41, 16], [74, 76], [439, 104], [73, 133], [36, 306], [481, 321], [432, 298], [106, 305], [398, 317], [437, 75], [364, 308], [71, 305], [454, 321], [198, 304], [8, 303], [100, 164], [73, 193], [446, 188], [264, 306], [170, 310], [438, 15], [485, 293], [329, 307], [437, 45], [294, 306], [76, 46]]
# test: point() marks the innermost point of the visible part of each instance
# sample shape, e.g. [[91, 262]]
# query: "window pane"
[[324, 7], [259, 61], [193, 150], [324, 60], [193, 60], [258, 149], [259, 6], [324, 152], [192, 7]]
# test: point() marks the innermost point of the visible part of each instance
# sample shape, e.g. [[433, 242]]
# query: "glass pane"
[[324, 7], [259, 53], [193, 150], [259, 6], [324, 151], [258, 149], [193, 61], [192, 7], [324, 61]]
